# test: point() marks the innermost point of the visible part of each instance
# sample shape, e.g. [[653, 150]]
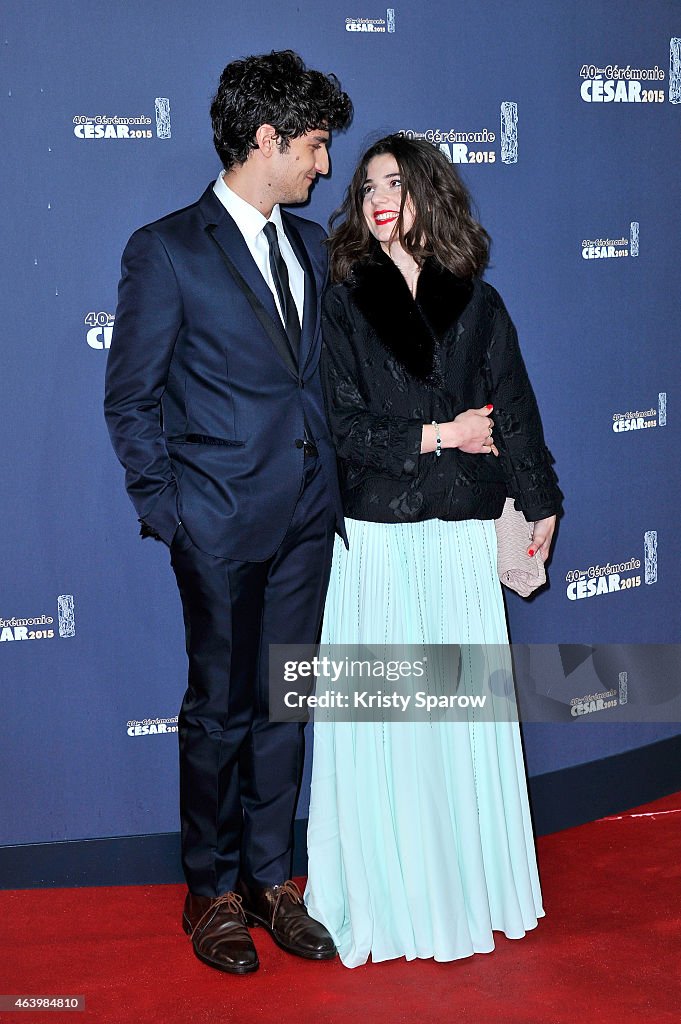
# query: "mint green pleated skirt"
[[420, 842]]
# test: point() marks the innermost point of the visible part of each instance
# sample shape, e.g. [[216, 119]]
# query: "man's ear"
[[266, 138]]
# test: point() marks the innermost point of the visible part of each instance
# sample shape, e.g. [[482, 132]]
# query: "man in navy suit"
[[214, 406]]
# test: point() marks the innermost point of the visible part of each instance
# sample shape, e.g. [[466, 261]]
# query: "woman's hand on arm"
[[542, 535], [470, 431]]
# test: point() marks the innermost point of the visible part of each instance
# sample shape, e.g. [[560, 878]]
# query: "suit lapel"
[[236, 254], [311, 309]]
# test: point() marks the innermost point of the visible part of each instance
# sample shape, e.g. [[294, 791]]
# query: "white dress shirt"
[[250, 223]]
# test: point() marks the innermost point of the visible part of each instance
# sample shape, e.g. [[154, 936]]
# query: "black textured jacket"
[[391, 363]]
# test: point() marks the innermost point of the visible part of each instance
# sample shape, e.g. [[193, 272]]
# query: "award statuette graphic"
[[623, 687], [662, 409], [509, 132], [633, 238], [675, 70], [162, 105], [650, 548], [67, 618]]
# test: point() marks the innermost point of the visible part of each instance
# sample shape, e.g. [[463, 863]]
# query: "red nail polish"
[[490, 407], [531, 552]]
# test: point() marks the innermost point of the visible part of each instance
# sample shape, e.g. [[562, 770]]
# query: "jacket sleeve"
[[148, 318], [380, 442], [517, 423]]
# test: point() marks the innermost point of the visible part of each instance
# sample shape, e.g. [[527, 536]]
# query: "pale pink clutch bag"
[[516, 569]]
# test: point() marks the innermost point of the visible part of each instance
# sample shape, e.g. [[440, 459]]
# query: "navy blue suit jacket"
[[204, 408]]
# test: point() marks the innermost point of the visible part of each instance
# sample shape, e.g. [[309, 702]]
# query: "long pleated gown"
[[420, 842]]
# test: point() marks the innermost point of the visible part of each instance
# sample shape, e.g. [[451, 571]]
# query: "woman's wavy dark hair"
[[274, 88], [443, 227]]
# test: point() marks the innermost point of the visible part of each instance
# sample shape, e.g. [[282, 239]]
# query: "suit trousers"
[[239, 772]]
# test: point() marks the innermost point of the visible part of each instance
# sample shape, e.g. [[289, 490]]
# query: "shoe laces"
[[229, 900], [289, 889]]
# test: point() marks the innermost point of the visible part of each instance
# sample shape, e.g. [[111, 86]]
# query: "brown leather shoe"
[[220, 937], [280, 909]]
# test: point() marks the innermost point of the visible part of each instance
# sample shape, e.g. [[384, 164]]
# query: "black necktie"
[[280, 278]]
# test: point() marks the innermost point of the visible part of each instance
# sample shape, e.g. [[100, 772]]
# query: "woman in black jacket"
[[420, 842]]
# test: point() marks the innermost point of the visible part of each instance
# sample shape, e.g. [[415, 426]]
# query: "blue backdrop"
[[565, 121]]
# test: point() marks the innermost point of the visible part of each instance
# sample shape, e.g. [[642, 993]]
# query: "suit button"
[[299, 442]]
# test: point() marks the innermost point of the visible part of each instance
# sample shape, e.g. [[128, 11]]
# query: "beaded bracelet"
[[438, 439]]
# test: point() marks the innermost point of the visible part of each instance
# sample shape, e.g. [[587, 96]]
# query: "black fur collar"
[[408, 328]]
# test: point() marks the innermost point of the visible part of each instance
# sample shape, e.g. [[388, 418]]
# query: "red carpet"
[[608, 951]]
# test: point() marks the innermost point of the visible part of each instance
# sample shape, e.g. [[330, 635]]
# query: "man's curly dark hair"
[[277, 89]]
